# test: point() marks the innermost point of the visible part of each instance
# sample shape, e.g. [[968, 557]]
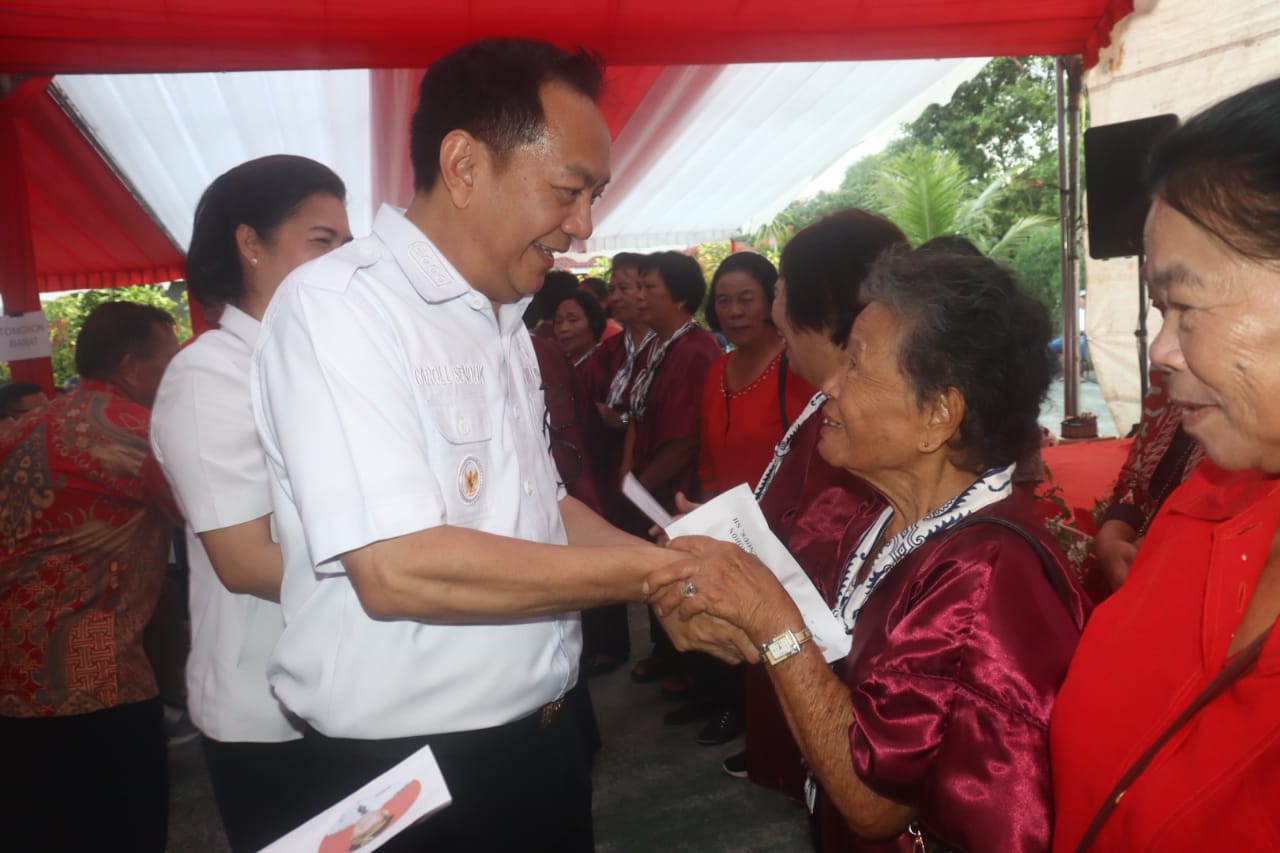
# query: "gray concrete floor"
[[655, 788]]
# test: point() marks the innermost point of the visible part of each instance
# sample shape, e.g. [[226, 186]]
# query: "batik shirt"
[[82, 555]]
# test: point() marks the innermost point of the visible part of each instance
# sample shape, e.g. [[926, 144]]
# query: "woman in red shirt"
[[751, 395], [750, 398], [1166, 735]]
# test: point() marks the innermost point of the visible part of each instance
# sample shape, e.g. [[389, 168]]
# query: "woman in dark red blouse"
[[608, 375], [934, 729], [666, 400], [807, 502], [661, 446]]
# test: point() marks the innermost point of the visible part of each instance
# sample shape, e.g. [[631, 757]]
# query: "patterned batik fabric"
[[82, 556]]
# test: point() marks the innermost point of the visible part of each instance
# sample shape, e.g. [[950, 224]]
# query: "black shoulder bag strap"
[[1235, 669], [1047, 563]]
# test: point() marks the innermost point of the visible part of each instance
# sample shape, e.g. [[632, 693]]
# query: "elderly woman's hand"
[[707, 633], [722, 580]]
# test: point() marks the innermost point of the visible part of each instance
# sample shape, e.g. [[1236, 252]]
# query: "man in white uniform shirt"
[[429, 595]]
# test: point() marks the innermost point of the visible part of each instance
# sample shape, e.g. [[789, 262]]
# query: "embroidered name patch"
[[423, 255], [449, 374]]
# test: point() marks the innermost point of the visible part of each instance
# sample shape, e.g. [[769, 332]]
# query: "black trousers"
[[88, 782], [605, 632], [256, 786], [519, 787]]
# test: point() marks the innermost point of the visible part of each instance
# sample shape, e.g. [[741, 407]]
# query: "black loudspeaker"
[[1115, 167]]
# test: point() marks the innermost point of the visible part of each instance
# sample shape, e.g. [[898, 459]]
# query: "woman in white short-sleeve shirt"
[[253, 225]]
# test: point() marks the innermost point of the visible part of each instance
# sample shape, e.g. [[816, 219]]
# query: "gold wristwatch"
[[785, 645]]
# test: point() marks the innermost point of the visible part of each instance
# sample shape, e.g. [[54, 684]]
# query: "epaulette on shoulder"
[[335, 270]]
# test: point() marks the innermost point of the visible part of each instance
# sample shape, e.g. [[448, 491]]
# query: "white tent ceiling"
[[170, 135], [756, 137], [709, 151]]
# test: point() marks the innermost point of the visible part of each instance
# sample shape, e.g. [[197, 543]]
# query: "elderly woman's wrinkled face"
[[1220, 340], [872, 422]]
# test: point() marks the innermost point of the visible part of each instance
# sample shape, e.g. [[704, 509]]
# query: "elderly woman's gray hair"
[[1221, 170], [970, 325]]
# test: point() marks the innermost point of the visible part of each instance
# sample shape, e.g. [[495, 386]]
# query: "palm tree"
[[928, 194], [777, 232]]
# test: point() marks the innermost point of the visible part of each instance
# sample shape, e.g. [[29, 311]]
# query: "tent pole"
[[1069, 80], [18, 283]]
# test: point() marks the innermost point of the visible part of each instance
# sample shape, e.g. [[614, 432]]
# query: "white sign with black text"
[[24, 336]]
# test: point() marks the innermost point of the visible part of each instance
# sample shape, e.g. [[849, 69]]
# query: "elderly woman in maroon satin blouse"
[[962, 612]]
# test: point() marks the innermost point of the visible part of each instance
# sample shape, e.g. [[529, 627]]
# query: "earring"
[[253, 262]]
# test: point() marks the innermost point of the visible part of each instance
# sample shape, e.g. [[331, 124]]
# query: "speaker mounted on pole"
[[1115, 162]]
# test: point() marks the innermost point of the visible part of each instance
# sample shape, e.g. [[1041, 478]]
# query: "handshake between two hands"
[[710, 614], [733, 585]]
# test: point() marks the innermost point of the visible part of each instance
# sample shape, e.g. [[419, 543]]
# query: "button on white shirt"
[[385, 390], [203, 435]]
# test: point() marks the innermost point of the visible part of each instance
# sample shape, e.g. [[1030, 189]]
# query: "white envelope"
[[375, 813], [735, 517]]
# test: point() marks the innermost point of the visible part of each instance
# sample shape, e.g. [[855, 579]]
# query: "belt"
[[550, 711], [540, 718]]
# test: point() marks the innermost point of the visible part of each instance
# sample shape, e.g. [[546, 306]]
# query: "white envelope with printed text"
[[735, 517]]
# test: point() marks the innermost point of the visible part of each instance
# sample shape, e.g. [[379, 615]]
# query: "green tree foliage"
[[857, 189], [983, 165], [999, 126], [710, 255], [1002, 124], [928, 194], [67, 315], [1038, 263], [1002, 121], [600, 266]]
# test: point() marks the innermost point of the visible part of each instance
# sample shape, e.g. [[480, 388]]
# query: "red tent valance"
[[79, 36]]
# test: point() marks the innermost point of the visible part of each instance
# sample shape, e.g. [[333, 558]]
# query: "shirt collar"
[[101, 386], [1214, 494], [432, 276], [97, 386], [240, 324]]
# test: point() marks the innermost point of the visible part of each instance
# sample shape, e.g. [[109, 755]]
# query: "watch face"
[[781, 646]]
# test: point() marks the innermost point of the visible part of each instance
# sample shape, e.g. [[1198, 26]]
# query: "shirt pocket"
[[466, 473]]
